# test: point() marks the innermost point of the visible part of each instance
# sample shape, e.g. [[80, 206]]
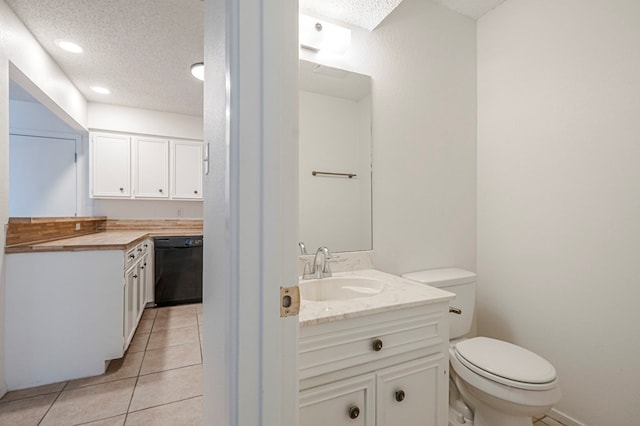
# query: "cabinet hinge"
[[75, 157], [289, 301]]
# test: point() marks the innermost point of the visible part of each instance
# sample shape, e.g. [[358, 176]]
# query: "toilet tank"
[[458, 281]]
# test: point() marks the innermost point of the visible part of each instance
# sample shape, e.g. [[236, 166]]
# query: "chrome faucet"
[[319, 270], [303, 248]]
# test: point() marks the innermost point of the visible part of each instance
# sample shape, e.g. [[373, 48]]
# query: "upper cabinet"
[[110, 166], [141, 167], [151, 165], [186, 170]]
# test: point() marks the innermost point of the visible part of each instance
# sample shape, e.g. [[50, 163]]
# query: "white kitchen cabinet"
[[151, 167], [186, 170], [401, 355], [71, 311], [110, 166]]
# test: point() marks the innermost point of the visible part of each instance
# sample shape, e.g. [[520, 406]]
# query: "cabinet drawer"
[[325, 348]]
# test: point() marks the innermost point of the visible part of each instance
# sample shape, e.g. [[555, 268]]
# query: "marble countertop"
[[399, 293], [105, 240]]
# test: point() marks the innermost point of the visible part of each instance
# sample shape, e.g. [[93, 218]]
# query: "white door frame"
[[250, 211]]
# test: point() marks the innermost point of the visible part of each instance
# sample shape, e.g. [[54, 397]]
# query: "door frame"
[[250, 211]]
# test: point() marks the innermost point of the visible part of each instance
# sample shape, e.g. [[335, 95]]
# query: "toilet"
[[492, 382]]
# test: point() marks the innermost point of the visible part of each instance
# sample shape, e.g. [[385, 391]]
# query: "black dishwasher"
[[178, 270]]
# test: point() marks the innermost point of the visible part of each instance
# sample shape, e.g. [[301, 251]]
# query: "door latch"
[[289, 301]]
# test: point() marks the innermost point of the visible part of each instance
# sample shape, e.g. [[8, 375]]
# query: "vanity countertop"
[[399, 293]]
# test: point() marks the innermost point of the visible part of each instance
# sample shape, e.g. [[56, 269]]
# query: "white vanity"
[[375, 358]]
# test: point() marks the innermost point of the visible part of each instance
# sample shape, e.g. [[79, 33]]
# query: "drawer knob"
[[377, 345], [354, 412], [400, 395], [121, 189]]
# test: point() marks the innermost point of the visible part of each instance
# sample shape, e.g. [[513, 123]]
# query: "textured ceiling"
[[365, 14], [471, 8], [142, 49]]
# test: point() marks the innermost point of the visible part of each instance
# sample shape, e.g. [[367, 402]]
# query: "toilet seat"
[[506, 363]]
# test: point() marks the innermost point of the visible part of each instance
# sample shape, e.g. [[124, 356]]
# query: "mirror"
[[334, 159]]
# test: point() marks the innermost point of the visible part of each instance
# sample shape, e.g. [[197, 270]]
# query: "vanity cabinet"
[[389, 368]]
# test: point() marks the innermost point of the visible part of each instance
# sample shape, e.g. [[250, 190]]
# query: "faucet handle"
[[306, 269], [303, 248]]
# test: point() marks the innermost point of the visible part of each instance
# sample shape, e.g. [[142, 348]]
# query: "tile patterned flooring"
[[158, 382]]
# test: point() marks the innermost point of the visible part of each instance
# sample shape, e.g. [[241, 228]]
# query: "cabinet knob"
[[132, 256], [195, 192], [160, 190], [354, 412], [142, 267], [121, 189], [377, 345], [135, 276], [400, 395]]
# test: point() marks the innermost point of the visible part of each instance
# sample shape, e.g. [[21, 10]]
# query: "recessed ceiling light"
[[69, 46], [197, 70], [101, 90]]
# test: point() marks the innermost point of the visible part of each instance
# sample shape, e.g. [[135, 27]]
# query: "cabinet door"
[[186, 167], [347, 402], [110, 166], [412, 394], [151, 169], [130, 304]]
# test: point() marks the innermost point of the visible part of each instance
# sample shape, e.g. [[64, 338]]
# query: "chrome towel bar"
[[349, 175]]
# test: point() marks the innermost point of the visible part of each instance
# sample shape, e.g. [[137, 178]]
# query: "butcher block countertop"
[[107, 239]]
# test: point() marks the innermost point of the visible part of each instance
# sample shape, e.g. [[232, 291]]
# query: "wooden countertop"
[[105, 240]]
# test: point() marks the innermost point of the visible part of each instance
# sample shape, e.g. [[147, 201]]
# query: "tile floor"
[[158, 382]]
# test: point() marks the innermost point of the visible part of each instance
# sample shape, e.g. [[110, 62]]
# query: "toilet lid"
[[484, 355]]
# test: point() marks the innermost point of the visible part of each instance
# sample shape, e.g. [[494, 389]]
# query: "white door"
[[42, 176], [250, 212]]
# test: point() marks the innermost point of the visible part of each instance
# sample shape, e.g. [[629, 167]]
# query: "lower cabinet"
[[385, 369], [136, 279]]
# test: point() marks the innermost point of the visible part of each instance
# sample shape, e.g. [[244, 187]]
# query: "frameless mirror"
[[334, 158]]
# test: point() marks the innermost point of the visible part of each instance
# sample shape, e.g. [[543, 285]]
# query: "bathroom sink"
[[339, 288]]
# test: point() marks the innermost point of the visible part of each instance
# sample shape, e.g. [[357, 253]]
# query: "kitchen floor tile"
[[26, 412], [176, 310], [183, 413], [173, 337], [145, 326], [90, 403], [169, 322], [156, 360], [149, 314], [123, 368], [30, 392], [111, 421], [199, 308], [167, 386], [138, 343]]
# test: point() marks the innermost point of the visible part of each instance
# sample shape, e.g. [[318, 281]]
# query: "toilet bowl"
[[496, 383]]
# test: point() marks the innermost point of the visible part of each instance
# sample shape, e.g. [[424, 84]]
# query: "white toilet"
[[493, 383]]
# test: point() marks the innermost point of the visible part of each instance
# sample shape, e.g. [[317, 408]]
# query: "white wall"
[[114, 118], [34, 116], [334, 211], [559, 194], [422, 59], [28, 63]]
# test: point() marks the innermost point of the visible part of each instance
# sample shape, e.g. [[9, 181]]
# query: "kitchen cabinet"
[[111, 165], [186, 170], [151, 167], [144, 167], [71, 310], [383, 369]]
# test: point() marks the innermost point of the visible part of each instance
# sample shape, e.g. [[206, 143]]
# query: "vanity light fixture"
[[101, 90], [317, 35], [69, 46], [197, 70]]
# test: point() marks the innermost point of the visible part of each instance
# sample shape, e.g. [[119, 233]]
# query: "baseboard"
[[3, 390], [563, 418]]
